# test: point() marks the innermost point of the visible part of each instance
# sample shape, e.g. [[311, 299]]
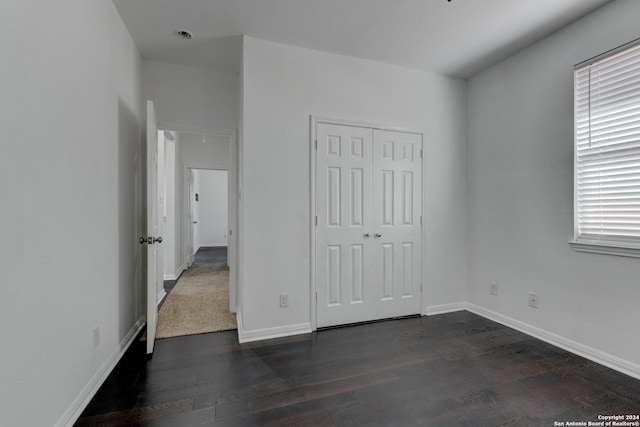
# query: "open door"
[[232, 248], [154, 261], [192, 218]]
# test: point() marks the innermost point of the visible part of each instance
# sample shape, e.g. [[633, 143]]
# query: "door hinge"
[[420, 287], [316, 145], [316, 296], [316, 220], [420, 219]]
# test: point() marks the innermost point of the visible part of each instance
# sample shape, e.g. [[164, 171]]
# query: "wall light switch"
[[284, 300]]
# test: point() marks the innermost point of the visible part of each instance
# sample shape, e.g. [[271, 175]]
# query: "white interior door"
[[161, 214], [191, 218], [397, 228], [233, 231], [154, 262], [344, 225], [368, 232]]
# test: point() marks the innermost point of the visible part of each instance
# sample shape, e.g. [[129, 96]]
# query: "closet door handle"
[[378, 235], [367, 235]]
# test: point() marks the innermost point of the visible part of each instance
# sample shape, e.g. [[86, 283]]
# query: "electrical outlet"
[[284, 300], [493, 288], [533, 300], [96, 336]]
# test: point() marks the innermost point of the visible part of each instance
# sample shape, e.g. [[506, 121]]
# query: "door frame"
[[190, 170], [235, 227], [191, 225], [314, 120]]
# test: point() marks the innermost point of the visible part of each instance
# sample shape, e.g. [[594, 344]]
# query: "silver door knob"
[[378, 235], [367, 235], [150, 240]]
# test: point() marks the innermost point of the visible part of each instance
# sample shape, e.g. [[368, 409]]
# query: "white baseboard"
[[161, 296], [175, 275], [608, 360], [269, 333], [214, 245], [445, 308], [74, 411]]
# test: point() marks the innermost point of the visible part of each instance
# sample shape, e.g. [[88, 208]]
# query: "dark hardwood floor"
[[454, 369], [211, 255]]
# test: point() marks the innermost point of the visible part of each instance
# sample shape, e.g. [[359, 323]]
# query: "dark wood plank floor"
[[453, 369], [211, 255]]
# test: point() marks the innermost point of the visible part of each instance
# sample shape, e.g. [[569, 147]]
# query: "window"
[[607, 152]]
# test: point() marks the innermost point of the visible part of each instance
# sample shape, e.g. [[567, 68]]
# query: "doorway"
[[208, 217], [200, 222], [208, 214]]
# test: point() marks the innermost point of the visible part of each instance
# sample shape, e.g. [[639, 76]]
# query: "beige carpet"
[[199, 303]]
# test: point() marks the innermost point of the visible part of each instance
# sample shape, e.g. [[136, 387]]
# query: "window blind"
[[607, 148]]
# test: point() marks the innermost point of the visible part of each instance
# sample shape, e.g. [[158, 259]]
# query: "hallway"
[[216, 256], [198, 302]]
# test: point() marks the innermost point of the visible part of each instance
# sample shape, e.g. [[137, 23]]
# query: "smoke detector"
[[184, 34]]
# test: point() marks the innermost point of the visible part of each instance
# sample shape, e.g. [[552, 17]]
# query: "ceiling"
[[457, 38]]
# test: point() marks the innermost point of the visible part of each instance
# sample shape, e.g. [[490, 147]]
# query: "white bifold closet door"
[[368, 232]]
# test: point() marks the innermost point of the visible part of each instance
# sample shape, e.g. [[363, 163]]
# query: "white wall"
[[70, 115], [210, 152], [180, 210], [213, 216], [520, 187], [282, 86], [191, 97]]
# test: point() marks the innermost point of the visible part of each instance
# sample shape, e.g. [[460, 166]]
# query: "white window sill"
[[605, 248]]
